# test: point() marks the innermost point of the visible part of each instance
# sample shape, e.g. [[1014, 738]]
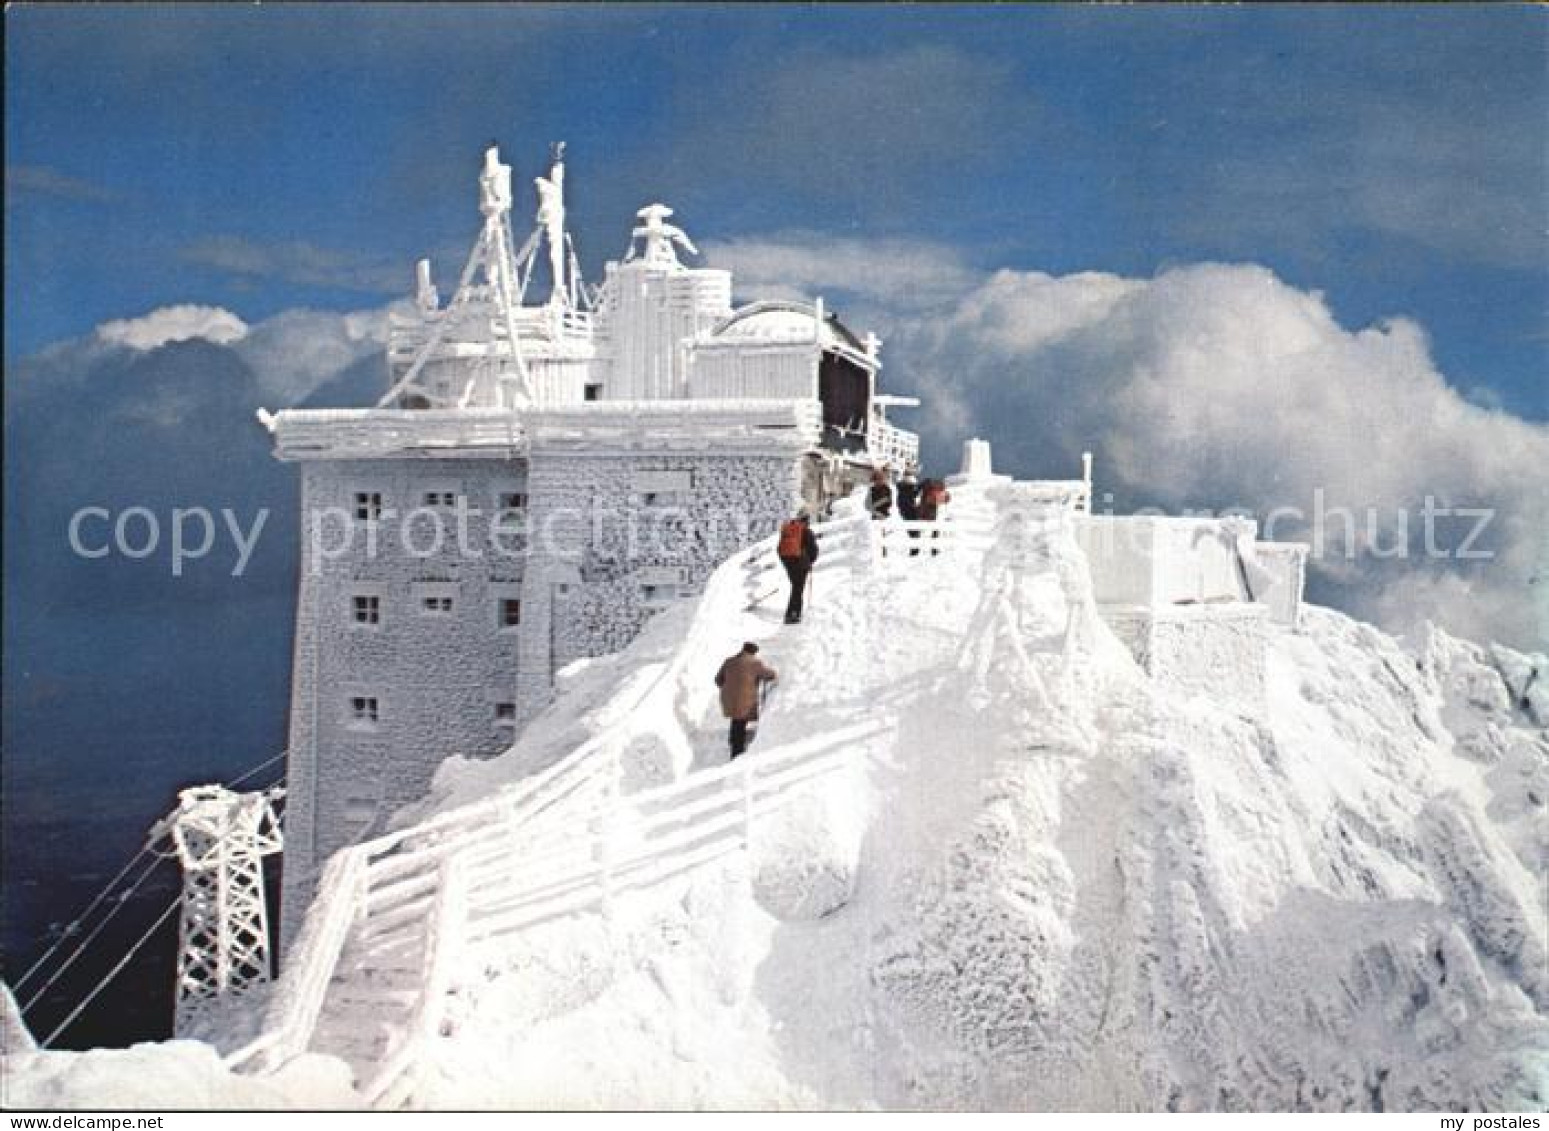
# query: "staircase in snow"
[[369, 974]]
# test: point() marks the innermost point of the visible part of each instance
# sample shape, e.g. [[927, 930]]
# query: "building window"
[[505, 714], [512, 501], [436, 604], [592, 392], [363, 709], [367, 608], [510, 612], [440, 498], [368, 506]]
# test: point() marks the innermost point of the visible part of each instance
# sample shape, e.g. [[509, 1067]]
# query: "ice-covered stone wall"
[[620, 535], [1215, 651], [402, 656]]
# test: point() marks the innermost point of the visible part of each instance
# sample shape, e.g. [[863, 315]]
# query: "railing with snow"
[[386, 888], [892, 446], [446, 882], [424, 888]]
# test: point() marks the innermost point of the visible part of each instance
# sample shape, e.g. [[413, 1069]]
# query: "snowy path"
[[1035, 880]]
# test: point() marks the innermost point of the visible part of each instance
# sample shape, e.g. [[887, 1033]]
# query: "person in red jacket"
[[933, 496], [741, 680], [798, 552]]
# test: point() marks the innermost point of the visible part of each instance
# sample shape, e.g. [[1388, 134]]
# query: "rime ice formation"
[[978, 857], [1047, 809], [1052, 882], [538, 479]]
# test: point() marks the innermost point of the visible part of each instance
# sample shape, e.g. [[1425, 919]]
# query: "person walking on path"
[[741, 680], [933, 496], [798, 551], [909, 497], [909, 504], [880, 500]]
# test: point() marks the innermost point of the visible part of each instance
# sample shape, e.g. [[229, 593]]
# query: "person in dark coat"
[[880, 500], [909, 505], [798, 553], [741, 680], [909, 497]]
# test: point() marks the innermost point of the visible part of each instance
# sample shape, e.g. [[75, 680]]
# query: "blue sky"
[[264, 158]]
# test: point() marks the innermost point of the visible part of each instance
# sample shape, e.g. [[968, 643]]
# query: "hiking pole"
[[760, 599]]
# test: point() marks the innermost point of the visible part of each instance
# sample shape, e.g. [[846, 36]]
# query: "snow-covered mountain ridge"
[[1020, 873]]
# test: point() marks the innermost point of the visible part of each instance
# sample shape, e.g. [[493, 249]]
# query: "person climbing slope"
[[798, 551], [741, 680]]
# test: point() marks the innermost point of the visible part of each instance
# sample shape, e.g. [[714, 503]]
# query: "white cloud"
[[1221, 386], [900, 274], [180, 323], [296, 351], [290, 355]]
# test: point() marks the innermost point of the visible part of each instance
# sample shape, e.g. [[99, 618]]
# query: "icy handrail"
[[536, 794], [298, 998], [580, 871], [343, 897], [392, 1080]]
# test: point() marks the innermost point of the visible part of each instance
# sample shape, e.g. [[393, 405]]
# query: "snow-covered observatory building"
[[1048, 809], [542, 473]]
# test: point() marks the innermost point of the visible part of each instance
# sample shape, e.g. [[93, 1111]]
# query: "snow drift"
[[1044, 883], [1031, 877]]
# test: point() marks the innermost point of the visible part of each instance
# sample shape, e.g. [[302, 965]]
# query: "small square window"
[[363, 709], [367, 609], [440, 498], [505, 712], [592, 392], [436, 604], [513, 501], [368, 506], [510, 612]]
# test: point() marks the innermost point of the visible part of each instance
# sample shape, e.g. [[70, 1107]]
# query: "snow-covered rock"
[[175, 1075], [1043, 878]]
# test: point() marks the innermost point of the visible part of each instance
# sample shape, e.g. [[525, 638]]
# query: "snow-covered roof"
[[776, 322]]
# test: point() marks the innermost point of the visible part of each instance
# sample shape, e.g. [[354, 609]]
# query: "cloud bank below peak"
[[1207, 386], [180, 323], [289, 355], [1221, 386]]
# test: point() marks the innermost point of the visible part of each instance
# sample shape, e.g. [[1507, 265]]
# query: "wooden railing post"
[[749, 767], [602, 858]]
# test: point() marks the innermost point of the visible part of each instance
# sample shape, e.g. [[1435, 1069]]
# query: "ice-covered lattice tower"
[[588, 454], [221, 839]]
